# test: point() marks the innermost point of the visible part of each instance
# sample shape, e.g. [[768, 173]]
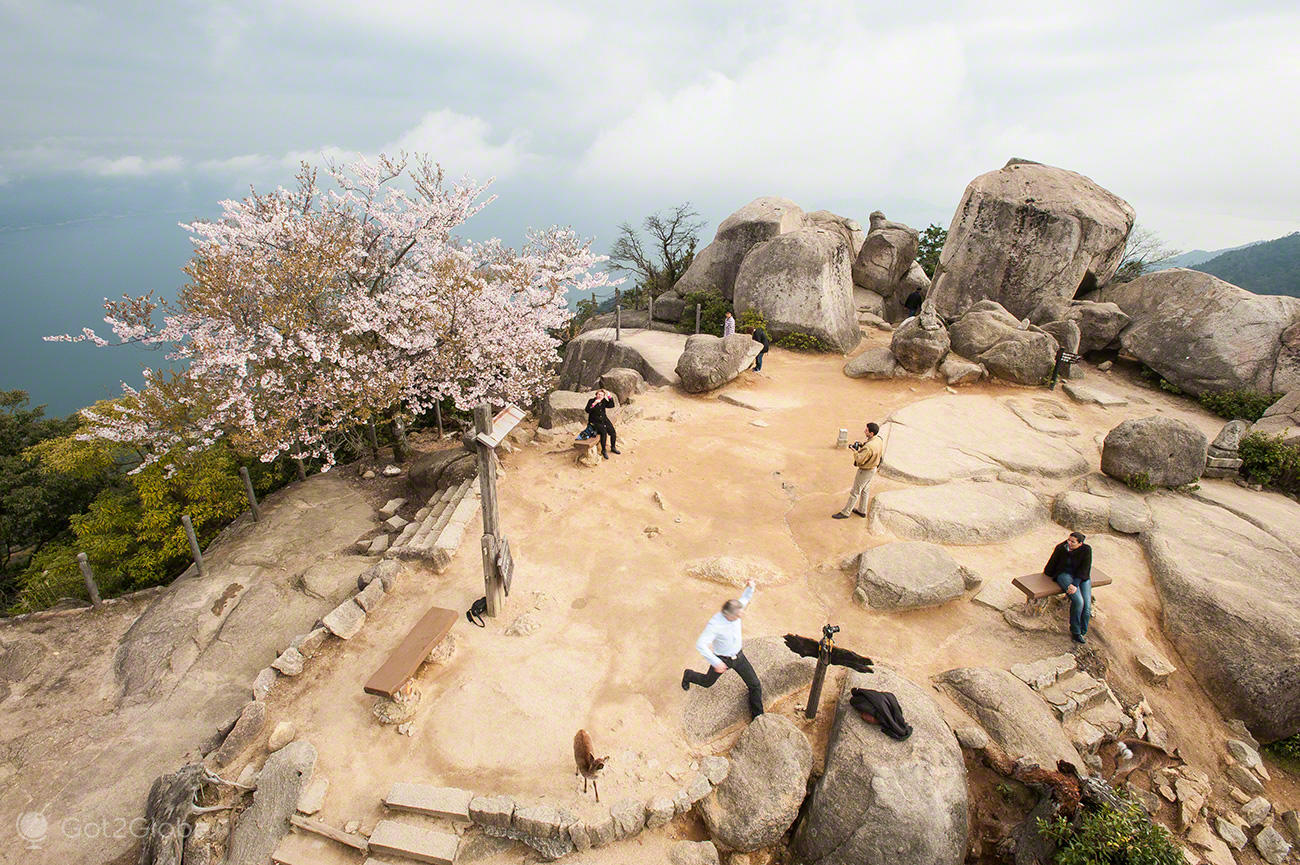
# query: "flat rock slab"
[[414, 842], [909, 574], [1228, 592], [711, 711], [448, 802], [953, 436], [1087, 394], [962, 513], [1012, 714], [1271, 512]]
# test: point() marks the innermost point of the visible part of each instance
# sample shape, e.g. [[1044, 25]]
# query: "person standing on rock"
[[728, 326], [866, 458], [600, 421], [720, 644], [1071, 566], [760, 336]]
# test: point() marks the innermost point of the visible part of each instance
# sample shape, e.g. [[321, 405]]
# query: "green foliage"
[[1287, 751], [1268, 460], [1109, 836], [929, 247], [1159, 381], [796, 341], [750, 320], [1272, 267], [1140, 481], [713, 309], [1233, 404]]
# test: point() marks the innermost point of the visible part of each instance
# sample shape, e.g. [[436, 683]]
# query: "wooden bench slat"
[[411, 652], [1038, 586]]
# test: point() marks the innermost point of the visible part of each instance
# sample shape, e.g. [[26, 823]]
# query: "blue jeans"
[[1080, 602], [758, 361]]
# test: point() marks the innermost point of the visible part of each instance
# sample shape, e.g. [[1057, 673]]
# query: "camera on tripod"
[[829, 631]]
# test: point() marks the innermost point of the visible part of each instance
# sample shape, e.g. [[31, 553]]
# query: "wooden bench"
[[1039, 587], [411, 652]]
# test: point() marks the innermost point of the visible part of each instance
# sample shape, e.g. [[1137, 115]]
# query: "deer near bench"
[[588, 763]]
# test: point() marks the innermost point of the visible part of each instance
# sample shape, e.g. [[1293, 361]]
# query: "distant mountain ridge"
[[1197, 256], [1266, 267]]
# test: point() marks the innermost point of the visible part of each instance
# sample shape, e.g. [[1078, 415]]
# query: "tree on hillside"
[[657, 262], [1143, 250], [309, 313], [929, 247]]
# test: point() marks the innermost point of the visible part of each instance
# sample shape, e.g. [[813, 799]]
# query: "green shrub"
[[750, 320], [1140, 481], [1268, 460], [797, 341], [1160, 381], [1110, 836], [713, 309], [1233, 404], [1287, 751]]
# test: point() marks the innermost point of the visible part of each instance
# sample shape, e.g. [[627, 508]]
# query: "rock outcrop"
[[1007, 347], [714, 267], [760, 797], [565, 406], [1027, 232], [1166, 451], [652, 353], [279, 785], [910, 574], [1204, 334], [883, 802], [886, 255], [801, 282], [959, 513], [623, 383], [1227, 588], [1012, 714], [920, 344], [710, 361], [848, 229], [1282, 418]]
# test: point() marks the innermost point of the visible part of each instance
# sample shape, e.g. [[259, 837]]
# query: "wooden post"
[[89, 576], [819, 678], [252, 496], [618, 317], [437, 414], [194, 541], [494, 588], [652, 307], [697, 318], [301, 468]]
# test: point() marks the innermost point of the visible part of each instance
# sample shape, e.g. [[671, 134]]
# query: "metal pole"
[[697, 318], [252, 496], [819, 678], [89, 576], [194, 542], [494, 588]]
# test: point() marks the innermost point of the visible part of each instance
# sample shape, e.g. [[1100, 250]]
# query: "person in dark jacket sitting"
[[1071, 567], [599, 421]]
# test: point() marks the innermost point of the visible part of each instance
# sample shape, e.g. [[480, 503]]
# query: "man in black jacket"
[[1071, 567], [600, 421], [760, 336]]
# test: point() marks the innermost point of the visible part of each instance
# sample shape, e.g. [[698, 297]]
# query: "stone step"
[[427, 542], [1075, 692], [447, 802], [413, 842], [437, 505], [454, 531]]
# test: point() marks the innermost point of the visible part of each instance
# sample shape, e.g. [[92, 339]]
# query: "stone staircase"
[[439, 527], [1086, 707]]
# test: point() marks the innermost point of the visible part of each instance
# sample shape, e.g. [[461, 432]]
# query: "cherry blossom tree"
[[310, 311]]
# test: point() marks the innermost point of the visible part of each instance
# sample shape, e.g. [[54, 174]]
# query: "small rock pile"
[[1221, 460]]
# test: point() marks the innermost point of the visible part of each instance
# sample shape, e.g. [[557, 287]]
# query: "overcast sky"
[[587, 115]]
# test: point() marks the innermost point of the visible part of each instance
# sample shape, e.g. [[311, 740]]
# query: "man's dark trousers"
[[742, 666], [758, 359], [606, 429]]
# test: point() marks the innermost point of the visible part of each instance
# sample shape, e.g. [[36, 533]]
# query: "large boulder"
[[709, 712], [261, 825], [714, 267], [1099, 324], [565, 406], [801, 283], [1065, 332], [910, 574], [710, 361], [849, 229], [884, 802], [623, 383], [1027, 232], [1204, 334], [886, 255], [1227, 590], [439, 470], [652, 353], [1023, 357], [760, 797], [920, 343], [982, 327], [876, 362], [958, 513], [669, 307], [1016, 718], [1169, 451], [1282, 418]]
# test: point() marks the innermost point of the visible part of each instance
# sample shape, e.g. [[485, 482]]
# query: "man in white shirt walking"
[[720, 644]]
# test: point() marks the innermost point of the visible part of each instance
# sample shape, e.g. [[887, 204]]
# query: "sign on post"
[[1063, 360], [505, 564], [502, 423]]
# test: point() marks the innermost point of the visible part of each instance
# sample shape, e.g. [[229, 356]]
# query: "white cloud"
[[132, 166]]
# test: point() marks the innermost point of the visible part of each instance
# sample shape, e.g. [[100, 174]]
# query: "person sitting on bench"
[[597, 418], [1071, 567]]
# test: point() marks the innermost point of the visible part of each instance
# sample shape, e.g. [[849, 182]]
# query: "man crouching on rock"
[[720, 644]]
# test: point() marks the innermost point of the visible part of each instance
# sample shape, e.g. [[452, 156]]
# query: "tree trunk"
[[170, 805], [372, 437], [401, 449]]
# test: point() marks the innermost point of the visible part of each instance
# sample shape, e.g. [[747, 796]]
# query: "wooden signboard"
[[504, 421], [505, 564]]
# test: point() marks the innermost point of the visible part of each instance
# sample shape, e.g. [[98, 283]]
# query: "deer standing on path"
[[587, 762]]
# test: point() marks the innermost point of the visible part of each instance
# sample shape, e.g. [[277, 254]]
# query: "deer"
[[587, 762]]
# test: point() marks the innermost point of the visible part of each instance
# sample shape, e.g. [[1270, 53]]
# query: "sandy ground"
[[619, 619]]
